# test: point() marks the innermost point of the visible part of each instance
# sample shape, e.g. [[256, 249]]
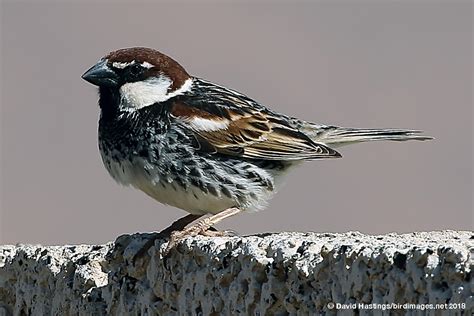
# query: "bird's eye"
[[136, 70]]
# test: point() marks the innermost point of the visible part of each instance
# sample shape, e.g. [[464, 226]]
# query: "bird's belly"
[[210, 186], [192, 199], [141, 175]]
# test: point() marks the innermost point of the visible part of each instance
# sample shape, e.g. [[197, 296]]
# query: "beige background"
[[355, 63]]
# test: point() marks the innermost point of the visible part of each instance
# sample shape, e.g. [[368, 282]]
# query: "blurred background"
[[404, 64]]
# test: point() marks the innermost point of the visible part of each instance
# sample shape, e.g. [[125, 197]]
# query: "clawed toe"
[[218, 233], [203, 227], [213, 233], [177, 236], [175, 226]]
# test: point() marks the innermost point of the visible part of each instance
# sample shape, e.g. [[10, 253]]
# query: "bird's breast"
[[167, 168], [169, 187]]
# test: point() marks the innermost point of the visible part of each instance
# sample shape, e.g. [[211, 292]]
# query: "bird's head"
[[139, 77]]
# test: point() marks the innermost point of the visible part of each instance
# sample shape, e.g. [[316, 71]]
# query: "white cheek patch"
[[136, 95]]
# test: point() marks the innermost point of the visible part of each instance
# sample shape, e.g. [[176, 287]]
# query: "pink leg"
[[177, 225], [201, 227]]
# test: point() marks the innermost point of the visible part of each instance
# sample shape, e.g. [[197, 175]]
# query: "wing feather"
[[232, 124]]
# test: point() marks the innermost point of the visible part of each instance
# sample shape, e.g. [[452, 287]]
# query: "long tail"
[[340, 136]]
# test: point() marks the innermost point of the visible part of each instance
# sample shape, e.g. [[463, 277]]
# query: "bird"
[[199, 146]]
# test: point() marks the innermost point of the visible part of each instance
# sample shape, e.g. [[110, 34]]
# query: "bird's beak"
[[101, 75]]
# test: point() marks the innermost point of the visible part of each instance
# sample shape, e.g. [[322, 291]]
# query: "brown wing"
[[247, 133]]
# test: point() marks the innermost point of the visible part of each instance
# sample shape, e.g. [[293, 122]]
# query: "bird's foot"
[[177, 236], [200, 228], [177, 225], [218, 233]]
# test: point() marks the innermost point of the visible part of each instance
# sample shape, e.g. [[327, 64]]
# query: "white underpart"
[[136, 95], [141, 175], [206, 125]]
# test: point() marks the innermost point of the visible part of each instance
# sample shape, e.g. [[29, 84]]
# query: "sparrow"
[[199, 146]]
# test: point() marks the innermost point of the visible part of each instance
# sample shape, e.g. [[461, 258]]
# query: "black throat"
[[155, 115], [109, 100]]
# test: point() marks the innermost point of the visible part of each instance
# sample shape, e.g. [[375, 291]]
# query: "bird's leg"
[[201, 227], [177, 225]]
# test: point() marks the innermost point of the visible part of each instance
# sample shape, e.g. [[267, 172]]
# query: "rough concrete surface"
[[268, 274]]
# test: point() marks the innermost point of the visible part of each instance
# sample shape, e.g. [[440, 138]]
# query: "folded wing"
[[228, 125]]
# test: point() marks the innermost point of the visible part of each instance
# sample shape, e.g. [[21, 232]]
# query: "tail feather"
[[339, 136]]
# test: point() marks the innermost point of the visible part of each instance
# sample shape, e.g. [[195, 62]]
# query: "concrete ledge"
[[269, 274]]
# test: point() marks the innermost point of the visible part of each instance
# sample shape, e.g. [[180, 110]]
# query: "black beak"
[[101, 75]]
